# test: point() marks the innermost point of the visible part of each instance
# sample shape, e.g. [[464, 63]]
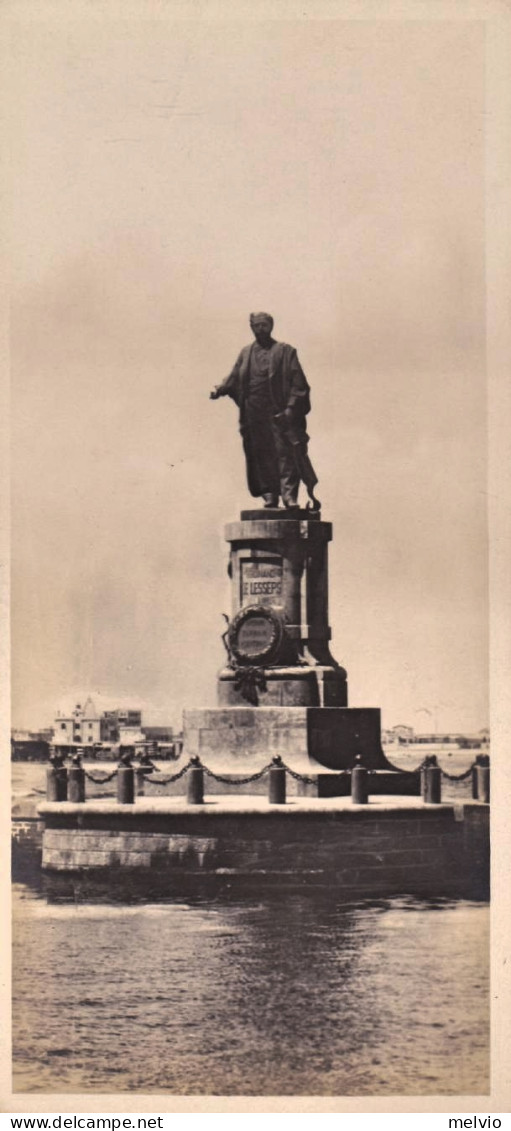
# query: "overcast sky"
[[172, 176]]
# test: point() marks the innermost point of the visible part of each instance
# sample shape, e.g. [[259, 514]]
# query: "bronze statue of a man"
[[271, 391]]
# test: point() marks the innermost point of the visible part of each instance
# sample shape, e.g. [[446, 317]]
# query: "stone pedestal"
[[279, 565], [281, 691], [308, 739], [279, 560], [318, 686]]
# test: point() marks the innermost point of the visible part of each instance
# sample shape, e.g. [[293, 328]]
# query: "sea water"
[[287, 994], [296, 995]]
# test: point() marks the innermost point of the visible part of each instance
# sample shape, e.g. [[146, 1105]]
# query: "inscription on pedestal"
[[255, 636], [261, 582]]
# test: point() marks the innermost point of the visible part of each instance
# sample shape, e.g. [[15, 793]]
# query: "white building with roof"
[[86, 726]]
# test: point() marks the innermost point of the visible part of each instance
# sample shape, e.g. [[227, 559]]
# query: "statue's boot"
[[290, 498], [270, 500]]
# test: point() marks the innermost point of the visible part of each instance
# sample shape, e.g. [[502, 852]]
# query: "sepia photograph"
[[250, 733]]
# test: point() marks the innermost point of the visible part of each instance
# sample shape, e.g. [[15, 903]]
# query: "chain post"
[[431, 781], [76, 779], [475, 782], [483, 777], [423, 769], [125, 781], [195, 782], [56, 778], [139, 781], [359, 783], [145, 766], [277, 781]]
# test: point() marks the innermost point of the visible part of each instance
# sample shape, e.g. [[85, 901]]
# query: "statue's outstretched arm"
[[230, 386]]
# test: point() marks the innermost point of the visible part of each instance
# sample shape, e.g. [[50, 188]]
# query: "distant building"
[[85, 726], [403, 733], [20, 735], [30, 745], [131, 736], [164, 741], [160, 734], [81, 727], [98, 733], [113, 722]]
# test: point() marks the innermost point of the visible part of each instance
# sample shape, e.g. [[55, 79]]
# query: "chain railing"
[[100, 780], [68, 784], [403, 770], [458, 777], [236, 780], [166, 779], [298, 777]]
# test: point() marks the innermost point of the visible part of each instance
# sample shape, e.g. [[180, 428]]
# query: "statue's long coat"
[[288, 390]]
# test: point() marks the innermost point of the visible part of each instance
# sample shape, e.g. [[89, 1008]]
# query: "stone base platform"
[[280, 514], [390, 846], [242, 740]]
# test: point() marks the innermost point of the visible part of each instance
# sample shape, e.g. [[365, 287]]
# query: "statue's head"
[[261, 325]]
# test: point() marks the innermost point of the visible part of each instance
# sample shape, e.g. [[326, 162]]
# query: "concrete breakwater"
[[392, 845]]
